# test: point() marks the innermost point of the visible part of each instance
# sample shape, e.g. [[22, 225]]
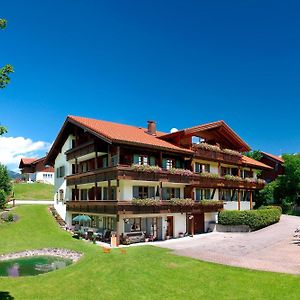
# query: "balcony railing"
[[123, 172], [219, 156], [128, 207], [81, 150]]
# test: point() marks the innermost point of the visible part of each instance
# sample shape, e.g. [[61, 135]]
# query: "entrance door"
[[195, 223], [170, 226]]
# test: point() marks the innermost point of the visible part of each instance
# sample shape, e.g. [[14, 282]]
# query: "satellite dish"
[[173, 130]]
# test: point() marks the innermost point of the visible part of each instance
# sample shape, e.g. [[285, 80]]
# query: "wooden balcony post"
[[75, 196], [76, 165], [251, 200], [95, 191], [96, 160], [219, 169], [109, 194], [108, 156], [118, 190], [160, 159], [118, 155], [239, 200]]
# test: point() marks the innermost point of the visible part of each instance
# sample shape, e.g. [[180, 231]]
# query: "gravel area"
[[273, 248]]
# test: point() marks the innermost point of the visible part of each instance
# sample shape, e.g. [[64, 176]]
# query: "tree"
[[285, 190], [4, 73], [5, 184], [255, 154]]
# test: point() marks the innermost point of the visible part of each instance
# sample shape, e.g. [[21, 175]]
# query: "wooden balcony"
[[104, 207], [218, 156], [206, 182], [123, 172], [127, 207], [81, 150]]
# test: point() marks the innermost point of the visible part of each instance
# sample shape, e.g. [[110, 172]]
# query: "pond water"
[[31, 266]]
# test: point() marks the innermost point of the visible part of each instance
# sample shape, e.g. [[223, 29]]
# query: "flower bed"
[[146, 168], [183, 172]]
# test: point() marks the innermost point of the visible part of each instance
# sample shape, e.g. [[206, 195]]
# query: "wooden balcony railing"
[[81, 150], [217, 156], [127, 207], [128, 173]]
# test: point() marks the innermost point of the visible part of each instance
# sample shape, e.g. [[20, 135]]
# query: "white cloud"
[[13, 148]]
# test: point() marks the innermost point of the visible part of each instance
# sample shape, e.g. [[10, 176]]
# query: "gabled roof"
[[275, 157], [218, 129], [25, 161], [114, 133], [250, 162]]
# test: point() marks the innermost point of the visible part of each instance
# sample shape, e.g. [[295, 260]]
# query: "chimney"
[[152, 127]]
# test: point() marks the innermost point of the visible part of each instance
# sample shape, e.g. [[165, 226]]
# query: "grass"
[[145, 272], [33, 191]]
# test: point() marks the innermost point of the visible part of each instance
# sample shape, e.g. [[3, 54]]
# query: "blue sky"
[[180, 63]]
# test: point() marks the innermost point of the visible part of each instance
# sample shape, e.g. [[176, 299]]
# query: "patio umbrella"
[[82, 218]]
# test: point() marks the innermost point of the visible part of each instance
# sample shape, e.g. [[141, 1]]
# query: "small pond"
[[30, 266]]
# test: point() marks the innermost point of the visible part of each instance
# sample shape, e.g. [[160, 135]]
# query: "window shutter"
[[152, 161], [135, 158], [198, 194], [104, 162], [151, 192], [177, 192], [178, 163], [164, 163], [105, 193], [197, 167], [165, 194], [135, 192]]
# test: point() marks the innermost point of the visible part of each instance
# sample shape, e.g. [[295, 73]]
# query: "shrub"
[[255, 219], [271, 207], [2, 198]]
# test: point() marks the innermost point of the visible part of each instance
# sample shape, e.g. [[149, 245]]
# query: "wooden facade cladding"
[[217, 156], [127, 207], [81, 150], [127, 173]]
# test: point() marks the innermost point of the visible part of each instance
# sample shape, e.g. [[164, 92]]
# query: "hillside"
[[33, 191]]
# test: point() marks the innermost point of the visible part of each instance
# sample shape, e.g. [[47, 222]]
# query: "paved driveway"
[[271, 249]]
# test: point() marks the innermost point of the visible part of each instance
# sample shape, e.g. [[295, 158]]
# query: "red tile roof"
[[28, 161], [278, 158], [125, 133], [254, 163]]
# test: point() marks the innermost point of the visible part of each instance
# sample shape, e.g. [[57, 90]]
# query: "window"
[[83, 194], [169, 193], [109, 223], [225, 171], [248, 174], [60, 172], [133, 224], [200, 168], [203, 194], [113, 195], [142, 192]]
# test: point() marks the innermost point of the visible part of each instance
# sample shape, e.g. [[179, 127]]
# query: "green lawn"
[[33, 191], [143, 273]]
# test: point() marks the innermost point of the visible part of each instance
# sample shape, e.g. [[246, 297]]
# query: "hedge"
[[255, 219]]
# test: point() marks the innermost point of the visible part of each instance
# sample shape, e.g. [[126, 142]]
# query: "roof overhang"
[[218, 131]]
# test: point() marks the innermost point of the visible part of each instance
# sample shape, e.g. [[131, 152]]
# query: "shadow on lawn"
[[5, 296]]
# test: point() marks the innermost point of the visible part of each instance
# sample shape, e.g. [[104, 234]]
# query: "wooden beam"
[[118, 190], [213, 194], [251, 200], [108, 156], [95, 191]]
